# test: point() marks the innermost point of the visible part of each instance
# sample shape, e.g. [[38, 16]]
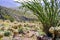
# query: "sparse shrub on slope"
[[4, 14]]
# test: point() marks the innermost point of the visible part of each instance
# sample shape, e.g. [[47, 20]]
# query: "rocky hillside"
[[16, 14]]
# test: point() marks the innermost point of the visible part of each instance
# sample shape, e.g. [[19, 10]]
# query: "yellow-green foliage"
[[8, 17]]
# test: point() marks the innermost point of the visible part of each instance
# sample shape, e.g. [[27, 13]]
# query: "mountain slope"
[[18, 15]]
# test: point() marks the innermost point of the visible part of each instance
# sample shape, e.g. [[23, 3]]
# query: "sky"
[[9, 3], [22, 0]]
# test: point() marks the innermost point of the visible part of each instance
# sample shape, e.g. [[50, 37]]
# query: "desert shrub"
[[8, 17], [7, 33], [20, 30]]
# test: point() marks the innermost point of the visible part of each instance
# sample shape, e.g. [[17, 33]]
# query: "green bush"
[[20, 30], [7, 33], [8, 17]]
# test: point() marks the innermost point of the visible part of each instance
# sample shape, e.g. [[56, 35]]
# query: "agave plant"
[[48, 13]]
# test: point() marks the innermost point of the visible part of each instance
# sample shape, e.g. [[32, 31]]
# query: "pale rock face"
[[57, 28], [6, 38], [54, 28], [17, 38], [51, 30], [30, 34], [36, 33]]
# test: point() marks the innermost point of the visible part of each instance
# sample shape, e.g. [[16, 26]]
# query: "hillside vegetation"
[[19, 30], [16, 14]]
